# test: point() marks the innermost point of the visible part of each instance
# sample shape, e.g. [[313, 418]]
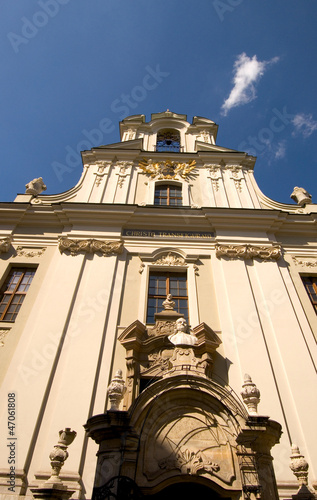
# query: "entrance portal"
[[185, 491]]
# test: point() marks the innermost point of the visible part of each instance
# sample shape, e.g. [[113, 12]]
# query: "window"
[[168, 140], [14, 291], [160, 284], [310, 283], [168, 194]]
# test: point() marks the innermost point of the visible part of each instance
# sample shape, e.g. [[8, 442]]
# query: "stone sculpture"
[[301, 196], [60, 454], [169, 302], [35, 187], [116, 390], [181, 336], [250, 395]]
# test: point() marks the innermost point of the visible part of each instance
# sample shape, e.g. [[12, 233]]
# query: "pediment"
[[206, 336], [134, 335]]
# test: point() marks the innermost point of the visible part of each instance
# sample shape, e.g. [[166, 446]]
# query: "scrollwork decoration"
[[90, 246], [249, 252]]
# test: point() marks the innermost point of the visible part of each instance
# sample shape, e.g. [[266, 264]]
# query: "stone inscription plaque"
[[149, 233]]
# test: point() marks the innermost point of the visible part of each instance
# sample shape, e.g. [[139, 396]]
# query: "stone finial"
[[35, 187], [298, 465], [169, 302], [301, 196], [116, 390], [250, 395], [60, 454]]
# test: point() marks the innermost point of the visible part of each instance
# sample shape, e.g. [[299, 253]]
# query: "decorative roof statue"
[[169, 302], [250, 395], [301, 196], [182, 336], [35, 187]]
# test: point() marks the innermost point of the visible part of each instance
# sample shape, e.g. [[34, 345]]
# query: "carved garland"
[[28, 252], [306, 263], [248, 252], [90, 246]]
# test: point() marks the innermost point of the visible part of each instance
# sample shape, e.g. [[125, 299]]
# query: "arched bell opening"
[[168, 140]]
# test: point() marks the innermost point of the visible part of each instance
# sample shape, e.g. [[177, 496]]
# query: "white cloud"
[[247, 71], [280, 151], [304, 124]]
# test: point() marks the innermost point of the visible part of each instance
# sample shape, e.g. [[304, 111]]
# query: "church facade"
[[161, 315]]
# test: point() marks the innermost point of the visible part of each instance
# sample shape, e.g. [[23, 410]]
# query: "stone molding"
[[248, 252], [5, 244], [90, 246]]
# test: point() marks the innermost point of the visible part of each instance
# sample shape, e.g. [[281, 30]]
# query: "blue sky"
[[73, 66]]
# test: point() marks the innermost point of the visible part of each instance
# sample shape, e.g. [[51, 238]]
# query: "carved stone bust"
[[169, 302], [181, 336]]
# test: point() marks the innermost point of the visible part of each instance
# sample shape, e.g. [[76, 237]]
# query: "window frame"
[[168, 197], [147, 265], [4, 290], [168, 274], [307, 280]]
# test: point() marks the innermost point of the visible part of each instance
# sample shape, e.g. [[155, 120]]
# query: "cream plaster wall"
[[62, 351]]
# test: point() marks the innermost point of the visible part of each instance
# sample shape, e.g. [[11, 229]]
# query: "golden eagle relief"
[[167, 169]]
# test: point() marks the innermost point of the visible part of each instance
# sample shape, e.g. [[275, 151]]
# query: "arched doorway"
[[185, 491]]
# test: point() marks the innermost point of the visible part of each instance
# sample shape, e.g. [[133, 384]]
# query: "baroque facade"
[[162, 315]]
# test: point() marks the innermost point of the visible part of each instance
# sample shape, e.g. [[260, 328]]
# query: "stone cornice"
[[96, 215]]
